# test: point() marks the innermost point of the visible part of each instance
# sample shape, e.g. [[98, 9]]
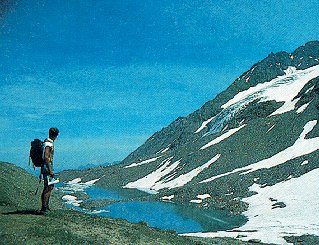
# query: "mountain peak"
[[306, 55], [276, 63], [181, 131]]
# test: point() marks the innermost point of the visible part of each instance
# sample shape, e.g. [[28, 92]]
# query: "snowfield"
[[288, 208], [281, 89]]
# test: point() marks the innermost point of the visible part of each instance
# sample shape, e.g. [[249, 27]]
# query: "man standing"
[[47, 168]]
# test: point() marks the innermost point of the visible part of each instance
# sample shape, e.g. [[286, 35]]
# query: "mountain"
[[92, 165], [240, 150]]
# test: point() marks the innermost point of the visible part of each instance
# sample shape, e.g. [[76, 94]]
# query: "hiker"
[[47, 168]]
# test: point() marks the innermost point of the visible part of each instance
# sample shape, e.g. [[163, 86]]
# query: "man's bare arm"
[[48, 160]]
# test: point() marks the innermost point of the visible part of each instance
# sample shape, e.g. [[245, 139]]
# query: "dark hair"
[[54, 132]]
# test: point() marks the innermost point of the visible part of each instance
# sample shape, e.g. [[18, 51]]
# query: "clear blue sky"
[[109, 74]]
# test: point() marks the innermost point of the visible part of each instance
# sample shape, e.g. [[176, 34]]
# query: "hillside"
[[258, 135], [20, 222]]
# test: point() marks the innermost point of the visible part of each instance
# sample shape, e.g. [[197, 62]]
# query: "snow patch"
[[196, 201], [184, 178], [204, 125], [222, 137], [74, 181], [200, 198], [310, 89], [143, 162], [290, 70], [271, 128], [98, 211], [302, 108], [167, 198], [147, 182], [166, 149], [71, 200], [203, 196], [76, 185], [229, 194], [304, 162], [287, 106]]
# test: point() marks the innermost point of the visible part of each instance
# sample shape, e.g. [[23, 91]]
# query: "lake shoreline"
[[136, 206]]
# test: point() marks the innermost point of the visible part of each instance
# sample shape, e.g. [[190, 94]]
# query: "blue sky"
[[109, 74]]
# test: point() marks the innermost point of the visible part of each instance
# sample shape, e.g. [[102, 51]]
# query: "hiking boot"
[[44, 210]]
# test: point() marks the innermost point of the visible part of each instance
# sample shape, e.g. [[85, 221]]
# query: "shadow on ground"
[[24, 212]]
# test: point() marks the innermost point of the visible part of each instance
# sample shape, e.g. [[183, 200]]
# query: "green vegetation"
[[21, 223]]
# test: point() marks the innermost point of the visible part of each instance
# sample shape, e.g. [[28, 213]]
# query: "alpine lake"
[[165, 215]]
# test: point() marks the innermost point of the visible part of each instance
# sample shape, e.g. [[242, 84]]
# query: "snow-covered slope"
[[284, 209], [281, 89]]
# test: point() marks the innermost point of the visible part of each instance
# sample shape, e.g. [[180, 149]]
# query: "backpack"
[[36, 152]]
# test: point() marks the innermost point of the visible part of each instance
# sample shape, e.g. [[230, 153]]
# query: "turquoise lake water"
[[165, 215]]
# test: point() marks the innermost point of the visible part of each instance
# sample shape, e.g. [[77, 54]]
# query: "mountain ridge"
[[261, 131], [265, 70]]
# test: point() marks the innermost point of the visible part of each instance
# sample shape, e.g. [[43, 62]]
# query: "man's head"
[[53, 133]]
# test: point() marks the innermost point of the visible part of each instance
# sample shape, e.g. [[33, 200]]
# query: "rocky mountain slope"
[[259, 134]]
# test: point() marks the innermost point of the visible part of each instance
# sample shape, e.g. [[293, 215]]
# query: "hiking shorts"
[[45, 179], [45, 174]]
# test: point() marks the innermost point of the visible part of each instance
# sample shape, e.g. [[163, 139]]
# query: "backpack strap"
[[47, 142]]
